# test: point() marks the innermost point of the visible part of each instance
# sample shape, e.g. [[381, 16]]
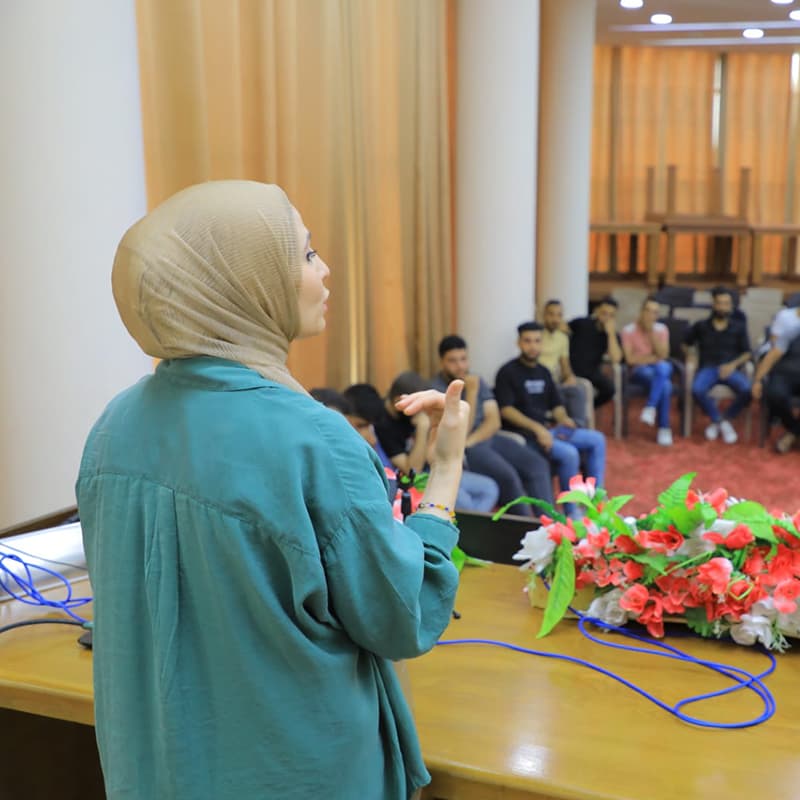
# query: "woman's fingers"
[[428, 401]]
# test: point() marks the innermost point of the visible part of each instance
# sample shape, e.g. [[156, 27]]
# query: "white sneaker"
[[728, 433], [648, 415], [664, 437], [712, 431]]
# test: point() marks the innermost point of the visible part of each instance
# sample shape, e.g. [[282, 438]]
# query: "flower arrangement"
[[723, 566]]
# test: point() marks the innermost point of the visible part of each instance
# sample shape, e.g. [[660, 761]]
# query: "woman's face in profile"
[[313, 293]]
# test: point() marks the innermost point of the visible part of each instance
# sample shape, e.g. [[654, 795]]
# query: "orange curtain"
[[757, 126], [660, 115], [344, 104]]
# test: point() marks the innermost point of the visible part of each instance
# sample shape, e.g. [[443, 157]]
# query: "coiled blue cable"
[[23, 588], [741, 677]]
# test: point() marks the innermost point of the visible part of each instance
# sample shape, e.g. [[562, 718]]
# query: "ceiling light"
[[631, 3], [752, 33], [661, 19], [783, 2], [795, 15]]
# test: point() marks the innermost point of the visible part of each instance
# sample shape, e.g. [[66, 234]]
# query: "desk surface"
[[493, 721], [492, 716]]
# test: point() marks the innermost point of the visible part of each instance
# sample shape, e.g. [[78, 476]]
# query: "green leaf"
[[548, 508], [576, 497], [562, 589], [675, 495], [787, 526], [658, 561], [708, 513], [458, 557], [684, 520], [697, 621], [616, 503], [471, 561], [755, 516]]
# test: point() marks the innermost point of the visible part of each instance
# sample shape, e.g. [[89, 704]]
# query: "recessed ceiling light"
[[783, 2], [752, 33], [661, 19], [631, 3], [795, 15]]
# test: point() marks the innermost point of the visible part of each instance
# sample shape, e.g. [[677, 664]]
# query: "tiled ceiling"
[[705, 23]]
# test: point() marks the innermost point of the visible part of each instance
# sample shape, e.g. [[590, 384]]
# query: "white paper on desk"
[[59, 549]]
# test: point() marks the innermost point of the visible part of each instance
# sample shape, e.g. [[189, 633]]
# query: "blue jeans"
[[707, 378], [476, 492], [569, 444], [657, 378]]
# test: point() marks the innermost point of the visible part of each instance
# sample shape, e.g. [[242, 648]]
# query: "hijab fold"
[[214, 271]]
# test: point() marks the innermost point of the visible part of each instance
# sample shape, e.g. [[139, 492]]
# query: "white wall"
[[71, 182], [496, 140]]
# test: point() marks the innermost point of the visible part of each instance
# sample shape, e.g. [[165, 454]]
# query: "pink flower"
[[585, 549], [578, 484], [785, 596], [625, 544], [633, 571], [738, 538], [716, 573], [716, 499], [660, 541], [599, 539], [557, 531], [652, 617], [634, 599]]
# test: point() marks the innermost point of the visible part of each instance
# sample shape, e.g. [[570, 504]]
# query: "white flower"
[[631, 523], [752, 628], [537, 550], [694, 545], [789, 624], [766, 608], [607, 608]]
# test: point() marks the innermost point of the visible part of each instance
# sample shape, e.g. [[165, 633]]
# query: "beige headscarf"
[[214, 271]]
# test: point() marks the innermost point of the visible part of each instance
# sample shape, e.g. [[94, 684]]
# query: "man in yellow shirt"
[[555, 357]]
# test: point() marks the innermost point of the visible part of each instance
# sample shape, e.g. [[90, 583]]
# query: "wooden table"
[[493, 723], [652, 233], [500, 724], [789, 233]]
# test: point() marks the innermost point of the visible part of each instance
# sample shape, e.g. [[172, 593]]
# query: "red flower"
[[633, 571], [634, 599], [738, 538], [652, 616], [585, 577], [716, 499], [557, 531], [676, 593], [783, 567], [754, 565], [660, 541], [785, 596], [625, 544], [715, 573], [599, 539]]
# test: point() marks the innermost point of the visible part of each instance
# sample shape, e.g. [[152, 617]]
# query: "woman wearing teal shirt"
[[251, 586]]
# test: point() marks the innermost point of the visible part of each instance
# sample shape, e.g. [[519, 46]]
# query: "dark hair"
[[451, 342], [718, 291], [407, 383], [552, 302], [651, 298], [365, 401], [332, 399], [608, 300], [529, 326]]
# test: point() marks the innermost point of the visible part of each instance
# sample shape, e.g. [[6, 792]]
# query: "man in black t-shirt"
[[593, 338], [723, 346], [529, 399]]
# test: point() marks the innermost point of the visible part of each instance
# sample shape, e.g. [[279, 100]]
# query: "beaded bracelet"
[[450, 511]]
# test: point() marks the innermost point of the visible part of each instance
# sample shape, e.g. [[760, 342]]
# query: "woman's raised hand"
[[449, 416]]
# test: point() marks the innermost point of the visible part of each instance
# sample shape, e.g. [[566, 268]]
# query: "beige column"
[[498, 60], [71, 182], [565, 131]]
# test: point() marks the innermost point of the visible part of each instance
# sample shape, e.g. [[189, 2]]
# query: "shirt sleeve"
[[485, 394], [391, 584], [504, 388], [782, 332]]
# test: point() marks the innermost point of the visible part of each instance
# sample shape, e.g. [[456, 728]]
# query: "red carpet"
[[638, 466]]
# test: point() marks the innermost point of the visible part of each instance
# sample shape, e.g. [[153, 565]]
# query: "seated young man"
[[723, 346], [555, 356], [593, 338], [405, 441], [781, 367], [646, 347], [526, 392], [515, 468]]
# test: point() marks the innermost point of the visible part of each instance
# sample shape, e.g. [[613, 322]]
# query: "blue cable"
[[753, 683], [30, 595]]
